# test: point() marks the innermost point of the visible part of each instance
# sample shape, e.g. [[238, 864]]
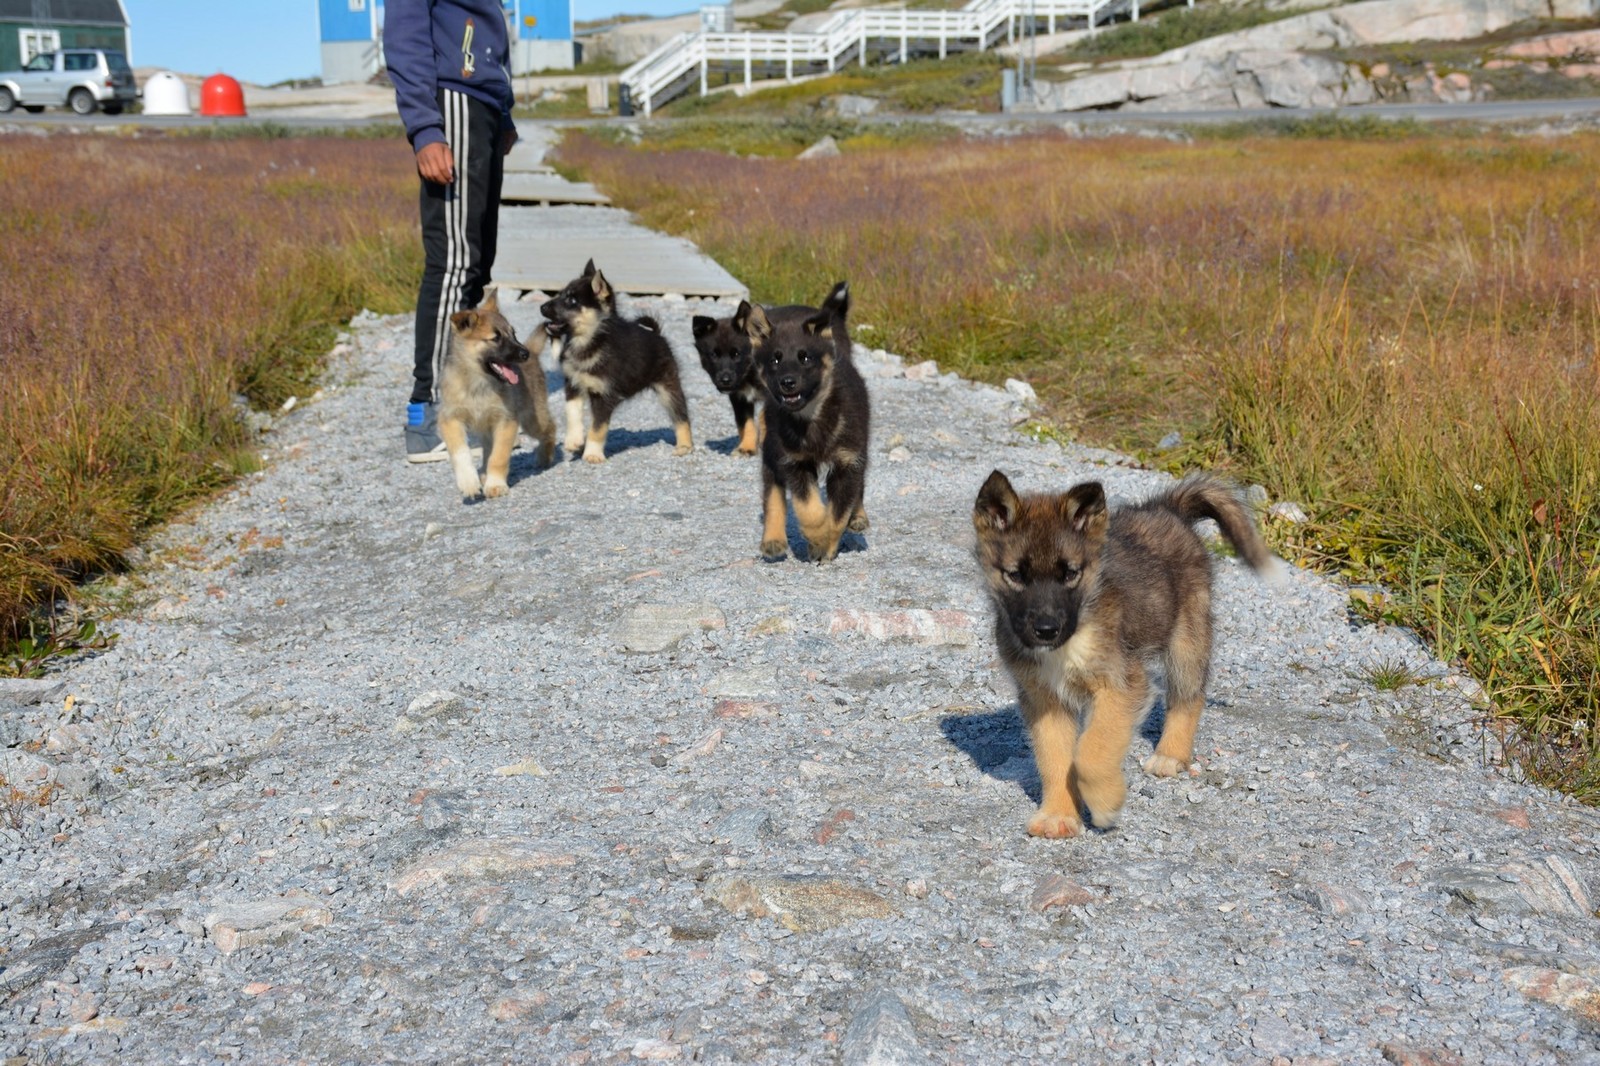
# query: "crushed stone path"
[[571, 777]]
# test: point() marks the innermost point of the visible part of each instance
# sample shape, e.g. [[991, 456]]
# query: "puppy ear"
[[838, 300], [702, 325], [491, 300], [588, 269], [820, 325], [756, 323], [998, 505], [600, 286], [1083, 507], [464, 320]]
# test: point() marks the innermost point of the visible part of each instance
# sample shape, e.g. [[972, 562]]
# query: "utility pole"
[[1027, 53]]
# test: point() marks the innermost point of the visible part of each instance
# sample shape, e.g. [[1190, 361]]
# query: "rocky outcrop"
[[1278, 65], [1383, 22], [1240, 79]]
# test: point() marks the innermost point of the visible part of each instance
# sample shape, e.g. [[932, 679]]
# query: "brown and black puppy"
[[817, 417], [1086, 601], [490, 385], [606, 359], [727, 355]]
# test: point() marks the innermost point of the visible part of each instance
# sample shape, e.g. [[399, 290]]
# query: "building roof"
[[99, 12]]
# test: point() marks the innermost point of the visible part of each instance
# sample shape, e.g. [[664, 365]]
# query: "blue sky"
[[270, 42]]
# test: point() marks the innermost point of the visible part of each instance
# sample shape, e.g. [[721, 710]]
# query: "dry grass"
[[1400, 335], [145, 283]]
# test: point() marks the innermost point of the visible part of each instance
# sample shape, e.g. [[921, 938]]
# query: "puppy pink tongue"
[[506, 372]]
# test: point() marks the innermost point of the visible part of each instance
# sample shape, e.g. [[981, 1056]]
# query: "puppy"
[[726, 353], [816, 417], [1086, 601], [606, 359], [490, 385]]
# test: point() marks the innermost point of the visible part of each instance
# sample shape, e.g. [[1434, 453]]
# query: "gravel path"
[[569, 776]]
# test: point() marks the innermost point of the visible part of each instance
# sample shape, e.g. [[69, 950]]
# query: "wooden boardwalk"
[[550, 227]]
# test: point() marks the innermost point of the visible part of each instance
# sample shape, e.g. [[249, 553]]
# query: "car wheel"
[[81, 101], [7, 101]]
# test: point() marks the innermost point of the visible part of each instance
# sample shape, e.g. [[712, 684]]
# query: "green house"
[[28, 27]]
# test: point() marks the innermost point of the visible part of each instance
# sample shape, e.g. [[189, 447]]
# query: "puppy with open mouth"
[[492, 385], [608, 358], [817, 419]]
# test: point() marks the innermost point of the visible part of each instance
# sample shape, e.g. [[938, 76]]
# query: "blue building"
[[352, 36]]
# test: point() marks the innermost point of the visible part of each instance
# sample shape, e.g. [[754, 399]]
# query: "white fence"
[[855, 34]]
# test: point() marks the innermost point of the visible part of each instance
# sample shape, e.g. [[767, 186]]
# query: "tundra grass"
[[147, 282], [1400, 335]]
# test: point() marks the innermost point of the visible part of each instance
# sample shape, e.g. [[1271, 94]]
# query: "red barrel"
[[221, 96]]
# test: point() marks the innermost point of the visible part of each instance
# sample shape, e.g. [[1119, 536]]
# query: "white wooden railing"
[[854, 34]]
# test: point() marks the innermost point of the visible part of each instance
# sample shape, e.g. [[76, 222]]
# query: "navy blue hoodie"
[[451, 44]]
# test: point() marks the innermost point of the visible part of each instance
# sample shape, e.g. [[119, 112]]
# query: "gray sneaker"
[[422, 436]]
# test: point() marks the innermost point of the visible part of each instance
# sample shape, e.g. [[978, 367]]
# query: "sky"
[[275, 41]]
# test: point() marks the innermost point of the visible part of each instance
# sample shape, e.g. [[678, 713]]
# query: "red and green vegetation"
[[1401, 335], [146, 283]]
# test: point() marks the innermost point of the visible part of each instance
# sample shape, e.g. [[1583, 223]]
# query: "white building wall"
[[347, 61]]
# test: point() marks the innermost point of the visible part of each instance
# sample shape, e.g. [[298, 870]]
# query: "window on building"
[[35, 42]]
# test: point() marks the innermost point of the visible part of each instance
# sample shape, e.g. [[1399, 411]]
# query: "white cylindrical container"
[[166, 94]]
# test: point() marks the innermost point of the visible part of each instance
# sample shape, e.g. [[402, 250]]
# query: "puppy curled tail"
[[1200, 496]]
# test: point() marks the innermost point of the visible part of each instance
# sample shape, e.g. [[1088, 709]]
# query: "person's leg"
[[458, 222]]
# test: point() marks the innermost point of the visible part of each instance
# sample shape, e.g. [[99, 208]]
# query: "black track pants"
[[459, 224]]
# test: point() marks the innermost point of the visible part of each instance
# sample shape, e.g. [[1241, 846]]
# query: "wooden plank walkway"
[[547, 188], [544, 247]]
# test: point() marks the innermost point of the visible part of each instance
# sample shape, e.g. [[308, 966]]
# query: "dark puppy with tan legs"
[[728, 356], [1086, 601], [817, 417], [491, 385], [725, 353], [606, 359]]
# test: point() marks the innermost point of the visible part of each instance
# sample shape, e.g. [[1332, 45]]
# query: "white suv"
[[83, 79]]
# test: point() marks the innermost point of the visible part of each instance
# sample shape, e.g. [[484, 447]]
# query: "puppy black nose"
[[1046, 628], [787, 384]]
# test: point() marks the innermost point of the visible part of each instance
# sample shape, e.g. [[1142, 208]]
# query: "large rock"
[[801, 902], [1256, 78]]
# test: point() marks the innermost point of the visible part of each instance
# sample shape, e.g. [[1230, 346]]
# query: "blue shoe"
[[422, 435]]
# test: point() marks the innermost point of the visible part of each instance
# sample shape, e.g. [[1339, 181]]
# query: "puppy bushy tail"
[[1200, 496]]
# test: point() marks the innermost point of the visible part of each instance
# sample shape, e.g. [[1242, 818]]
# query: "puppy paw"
[[683, 449], [470, 489], [1164, 766], [859, 523], [573, 446], [820, 554], [774, 549], [593, 455], [493, 489], [746, 452], [1054, 826], [1105, 819]]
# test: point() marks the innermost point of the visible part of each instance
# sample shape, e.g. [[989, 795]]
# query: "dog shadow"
[[725, 446], [800, 549], [626, 440], [997, 743]]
